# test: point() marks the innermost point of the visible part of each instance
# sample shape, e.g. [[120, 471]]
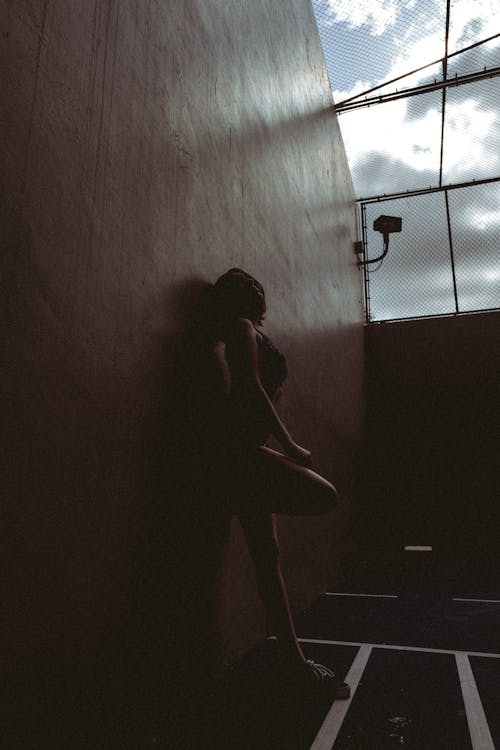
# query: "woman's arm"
[[244, 364]]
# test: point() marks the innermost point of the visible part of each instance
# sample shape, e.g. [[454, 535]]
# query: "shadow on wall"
[[188, 521], [152, 678], [148, 678]]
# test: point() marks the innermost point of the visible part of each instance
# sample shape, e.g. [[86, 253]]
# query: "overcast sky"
[[396, 146]]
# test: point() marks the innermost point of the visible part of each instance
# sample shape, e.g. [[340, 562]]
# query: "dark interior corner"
[[431, 443]]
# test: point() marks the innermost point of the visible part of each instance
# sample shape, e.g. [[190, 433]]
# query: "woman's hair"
[[236, 294]]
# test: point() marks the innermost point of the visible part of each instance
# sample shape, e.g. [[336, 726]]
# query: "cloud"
[[471, 22], [377, 173], [418, 39], [477, 209], [471, 141], [472, 30], [384, 141], [377, 15], [416, 276], [396, 146], [388, 153]]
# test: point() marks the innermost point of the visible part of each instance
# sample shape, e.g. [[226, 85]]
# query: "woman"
[[264, 481]]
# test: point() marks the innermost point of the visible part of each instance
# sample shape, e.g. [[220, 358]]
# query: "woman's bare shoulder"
[[242, 329]]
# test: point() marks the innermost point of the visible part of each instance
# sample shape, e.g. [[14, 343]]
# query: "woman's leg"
[[277, 484], [260, 533], [273, 483], [268, 480]]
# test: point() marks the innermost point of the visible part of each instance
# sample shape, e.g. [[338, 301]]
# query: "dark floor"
[[409, 622], [409, 694]]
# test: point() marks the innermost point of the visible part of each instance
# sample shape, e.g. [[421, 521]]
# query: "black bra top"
[[246, 426], [272, 365]]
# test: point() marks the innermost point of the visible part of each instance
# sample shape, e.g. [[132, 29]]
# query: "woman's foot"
[[308, 672], [324, 676]]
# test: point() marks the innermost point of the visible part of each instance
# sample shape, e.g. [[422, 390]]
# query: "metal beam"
[[424, 191], [417, 70], [425, 88]]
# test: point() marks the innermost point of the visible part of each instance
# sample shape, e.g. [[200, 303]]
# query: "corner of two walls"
[[147, 153]]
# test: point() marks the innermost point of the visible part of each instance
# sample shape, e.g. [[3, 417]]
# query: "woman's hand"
[[298, 454]]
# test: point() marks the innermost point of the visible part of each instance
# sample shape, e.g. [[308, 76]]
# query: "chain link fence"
[[445, 260], [423, 143]]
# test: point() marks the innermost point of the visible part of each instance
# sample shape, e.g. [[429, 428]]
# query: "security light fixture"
[[385, 225]]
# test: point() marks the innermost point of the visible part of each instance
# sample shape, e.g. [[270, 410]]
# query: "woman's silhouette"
[[259, 480]]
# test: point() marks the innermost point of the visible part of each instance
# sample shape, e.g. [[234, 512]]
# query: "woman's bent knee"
[[325, 498], [313, 499]]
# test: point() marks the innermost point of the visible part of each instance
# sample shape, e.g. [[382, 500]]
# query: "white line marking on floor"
[[453, 652], [375, 596], [418, 548], [479, 601], [476, 719], [331, 726]]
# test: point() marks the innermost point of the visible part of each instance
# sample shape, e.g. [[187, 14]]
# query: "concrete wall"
[[434, 409], [148, 147]]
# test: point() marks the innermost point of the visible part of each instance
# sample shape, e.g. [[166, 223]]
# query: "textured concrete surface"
[[147, 148]]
